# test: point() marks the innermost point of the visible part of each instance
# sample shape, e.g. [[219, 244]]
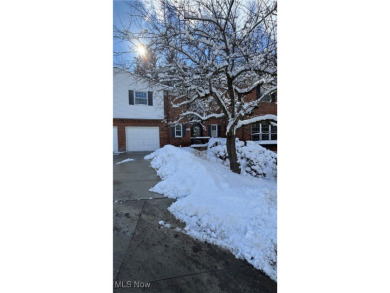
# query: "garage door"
[[115, 136], [142, 138]]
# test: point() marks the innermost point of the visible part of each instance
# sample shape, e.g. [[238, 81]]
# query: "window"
[[178, 131], [270, 98], [264, 131], [141, 98], [256, 131], [214, 130], [266, 99], [273, 132]]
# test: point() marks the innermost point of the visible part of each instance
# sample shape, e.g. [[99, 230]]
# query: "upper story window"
[[178, 130], [141, 98], [269, 98], [264, 131]]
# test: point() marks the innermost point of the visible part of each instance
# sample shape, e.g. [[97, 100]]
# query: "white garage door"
[[142, 138], [115, 135]]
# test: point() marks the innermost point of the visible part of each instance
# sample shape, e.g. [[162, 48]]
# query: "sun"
[[141, 49]]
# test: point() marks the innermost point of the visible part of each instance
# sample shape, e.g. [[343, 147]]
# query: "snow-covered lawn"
[[125, 161], [255, 160], [234, 211]]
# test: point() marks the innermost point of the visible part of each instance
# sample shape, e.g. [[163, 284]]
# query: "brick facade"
[[122, 123], [244, 133], [170, 114]]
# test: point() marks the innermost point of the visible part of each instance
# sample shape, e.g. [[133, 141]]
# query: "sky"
[[121, 10], [120, 15]]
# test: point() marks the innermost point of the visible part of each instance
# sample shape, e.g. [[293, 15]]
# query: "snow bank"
[[234, 211], [255, 160]]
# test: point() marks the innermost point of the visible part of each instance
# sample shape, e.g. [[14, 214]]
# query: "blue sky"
[[121, 10]]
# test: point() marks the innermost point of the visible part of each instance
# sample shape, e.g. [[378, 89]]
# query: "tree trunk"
[[231, 149]]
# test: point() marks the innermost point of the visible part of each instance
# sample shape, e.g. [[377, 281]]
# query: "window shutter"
[[150, 98], [173, 131], [183, 132], [258, 92], [218, 130], [209, 130], [131, 97]]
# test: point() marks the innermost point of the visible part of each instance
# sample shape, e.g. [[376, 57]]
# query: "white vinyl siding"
[[123, 83]]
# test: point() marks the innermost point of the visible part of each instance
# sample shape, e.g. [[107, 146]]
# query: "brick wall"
[[244, 133], [122, 123], [264, 107], [184, 142], [171, 114]]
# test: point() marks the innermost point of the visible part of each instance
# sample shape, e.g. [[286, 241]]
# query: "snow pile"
[[234, 211], [124, 161], [200, 154], [255, 160]]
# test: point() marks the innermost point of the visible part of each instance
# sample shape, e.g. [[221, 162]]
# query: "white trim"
[[181, 130], [266, 141], [199, 145], [260, 134], [115, 139]]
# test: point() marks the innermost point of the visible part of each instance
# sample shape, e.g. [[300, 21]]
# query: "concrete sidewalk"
[[167, 259]]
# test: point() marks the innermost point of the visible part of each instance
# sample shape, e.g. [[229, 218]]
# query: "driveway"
[[165, 258]]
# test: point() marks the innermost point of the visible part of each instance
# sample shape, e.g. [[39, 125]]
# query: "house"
[[138, 112], [197, 134], [141, 112]]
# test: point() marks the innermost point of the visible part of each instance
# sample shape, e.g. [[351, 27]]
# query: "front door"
[[197, 131]]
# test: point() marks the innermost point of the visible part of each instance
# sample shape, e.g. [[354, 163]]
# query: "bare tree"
[[211, 54]]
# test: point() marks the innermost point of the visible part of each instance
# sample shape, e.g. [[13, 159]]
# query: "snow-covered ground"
[[231, 210], [125, 161], [255, 160]]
